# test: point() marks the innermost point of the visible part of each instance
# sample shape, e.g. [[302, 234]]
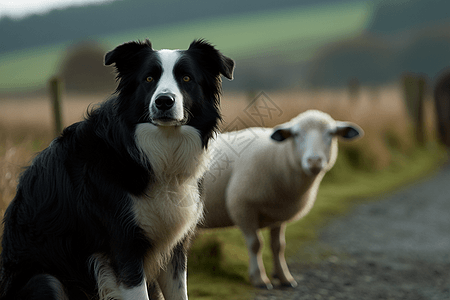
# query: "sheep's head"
[[314, 137]]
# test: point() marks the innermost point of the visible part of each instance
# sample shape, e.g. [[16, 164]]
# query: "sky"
[[23, 8]]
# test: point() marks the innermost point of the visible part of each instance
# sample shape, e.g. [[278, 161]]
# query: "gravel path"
[[394, 248]]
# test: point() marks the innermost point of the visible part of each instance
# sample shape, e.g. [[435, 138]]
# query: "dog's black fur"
[[75, 199]]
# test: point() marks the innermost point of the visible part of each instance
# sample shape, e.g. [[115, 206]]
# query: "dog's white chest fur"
[[173, 151], [171, 207]]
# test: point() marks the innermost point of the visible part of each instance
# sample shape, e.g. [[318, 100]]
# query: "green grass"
[[29, 69], [218, 261], [246, 35], [297, 32]]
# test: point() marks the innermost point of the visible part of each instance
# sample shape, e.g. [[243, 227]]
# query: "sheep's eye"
[[331, 133], [149, 79], [186, 78]]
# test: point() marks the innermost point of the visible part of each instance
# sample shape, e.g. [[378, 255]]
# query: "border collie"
[[106, 211]]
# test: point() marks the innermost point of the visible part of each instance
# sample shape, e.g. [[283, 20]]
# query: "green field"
[[297, 33]]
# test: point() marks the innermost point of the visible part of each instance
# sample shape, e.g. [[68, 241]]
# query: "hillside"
[[93, 21], [390, 17], [289, 43], [261, 43]]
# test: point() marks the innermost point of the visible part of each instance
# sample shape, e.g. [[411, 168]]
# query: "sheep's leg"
[[278, 245], [257, 271]]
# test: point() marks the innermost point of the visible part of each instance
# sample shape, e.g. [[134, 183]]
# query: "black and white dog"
[[107, 209]]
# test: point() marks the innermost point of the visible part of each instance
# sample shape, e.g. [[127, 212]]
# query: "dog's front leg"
[[173, 279], [127, 283], [136, 293], [131, 279]]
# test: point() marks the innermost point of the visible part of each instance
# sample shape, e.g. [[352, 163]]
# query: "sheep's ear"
[[348, 130], [281, 134]]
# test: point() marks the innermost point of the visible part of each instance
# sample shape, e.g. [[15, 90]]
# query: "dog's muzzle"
[[164, 112]]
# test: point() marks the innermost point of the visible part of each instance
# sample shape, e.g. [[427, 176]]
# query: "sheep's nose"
[[315, 164], [164, 101]]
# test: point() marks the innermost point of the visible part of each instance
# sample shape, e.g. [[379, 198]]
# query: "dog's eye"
[[186, 78], [149, 79]]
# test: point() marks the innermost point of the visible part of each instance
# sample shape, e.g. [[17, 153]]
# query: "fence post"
[[56, 87], [414, 93], [420, 129]]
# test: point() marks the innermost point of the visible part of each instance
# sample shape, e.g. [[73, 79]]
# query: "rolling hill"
[[95, 20], [292, 35], [276, 45]]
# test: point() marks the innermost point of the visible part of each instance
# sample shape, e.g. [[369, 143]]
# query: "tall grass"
[[25, 129], [387, 156]]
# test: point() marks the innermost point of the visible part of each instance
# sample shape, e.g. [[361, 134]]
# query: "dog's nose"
[[164, 102]]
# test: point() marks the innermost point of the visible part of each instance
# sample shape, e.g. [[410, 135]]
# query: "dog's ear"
[[211, 59], [127, 55]]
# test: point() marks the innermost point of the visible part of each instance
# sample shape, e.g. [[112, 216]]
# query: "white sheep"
[[265, 177]]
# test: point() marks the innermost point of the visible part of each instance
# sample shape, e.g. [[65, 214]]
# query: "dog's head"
[[170, 87]]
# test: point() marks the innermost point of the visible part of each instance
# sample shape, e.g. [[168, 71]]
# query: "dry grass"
[[26, 124], [25, 128], [34, 113], [381, 113]]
